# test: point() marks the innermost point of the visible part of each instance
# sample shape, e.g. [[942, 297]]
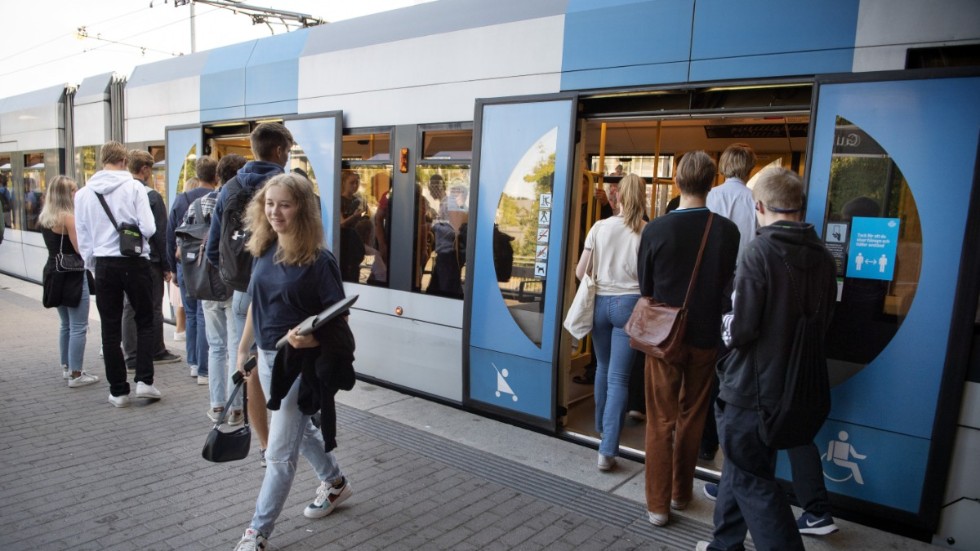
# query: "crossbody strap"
[[105, 207], [697, 265]]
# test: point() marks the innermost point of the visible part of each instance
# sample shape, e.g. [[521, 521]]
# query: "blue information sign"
[[871, 253]]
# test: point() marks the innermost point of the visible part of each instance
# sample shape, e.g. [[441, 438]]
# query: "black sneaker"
[[814, 525], [166, 358]]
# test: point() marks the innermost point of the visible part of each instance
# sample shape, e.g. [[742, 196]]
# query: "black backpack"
[[805, 403], [235, 262], [202, 279]]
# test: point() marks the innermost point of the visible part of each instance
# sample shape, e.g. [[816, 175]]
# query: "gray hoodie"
[[128, 201]]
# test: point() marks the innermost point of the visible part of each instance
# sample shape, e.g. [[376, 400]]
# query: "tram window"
[[365, 185], [441, 226], [447, 145], [188, 171], [86, 163], [873, 231], [7, 193], [300, 164], [641, 165], [34, 186]]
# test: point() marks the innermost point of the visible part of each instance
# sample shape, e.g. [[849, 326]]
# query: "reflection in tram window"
[[368, 156], [7, 194], [877, 278], [86, 163], [34, 186], [443, 222], [442, 179], [524, 214], [300, 164], [188, 171]]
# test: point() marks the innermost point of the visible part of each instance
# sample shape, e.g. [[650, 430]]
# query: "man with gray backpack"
[[271, 142], [204, 283]]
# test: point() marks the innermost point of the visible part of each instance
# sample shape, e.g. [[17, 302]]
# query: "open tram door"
[[523, 161], [891, 178]]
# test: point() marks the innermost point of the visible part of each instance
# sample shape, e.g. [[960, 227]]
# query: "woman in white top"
[[612, 245]]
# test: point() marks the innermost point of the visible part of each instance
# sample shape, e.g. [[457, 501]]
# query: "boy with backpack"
[[785, 281], [271, 142]]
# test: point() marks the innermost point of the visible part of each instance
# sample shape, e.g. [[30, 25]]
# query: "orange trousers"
[[677, 402]]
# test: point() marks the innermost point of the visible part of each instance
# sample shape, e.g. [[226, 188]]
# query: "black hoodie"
[[785, 268]]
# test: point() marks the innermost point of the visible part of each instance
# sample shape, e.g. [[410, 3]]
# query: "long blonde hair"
[[59, 199], [305, 239], [633, 201]]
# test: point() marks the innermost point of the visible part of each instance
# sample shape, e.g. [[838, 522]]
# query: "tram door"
[[183, 147], [512, 317], [890, 180]]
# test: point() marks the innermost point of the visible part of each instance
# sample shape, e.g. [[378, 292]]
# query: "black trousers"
[[808, 484], [129, 323], [116, 278], [749, 498]]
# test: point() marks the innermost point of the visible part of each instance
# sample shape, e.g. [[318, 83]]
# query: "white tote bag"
[[578, 322]]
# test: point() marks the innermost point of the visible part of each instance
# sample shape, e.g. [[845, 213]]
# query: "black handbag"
[[67, 262], [221, 446]]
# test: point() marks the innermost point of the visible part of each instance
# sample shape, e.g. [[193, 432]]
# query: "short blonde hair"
[[737, 161], [779, 189], [114, 152]]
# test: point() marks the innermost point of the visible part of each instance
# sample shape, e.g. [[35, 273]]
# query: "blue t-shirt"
[[284, 295]]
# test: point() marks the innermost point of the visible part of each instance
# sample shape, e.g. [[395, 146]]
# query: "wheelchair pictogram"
[[839, 452]]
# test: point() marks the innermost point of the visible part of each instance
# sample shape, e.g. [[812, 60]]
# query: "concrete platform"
[[80, 474]]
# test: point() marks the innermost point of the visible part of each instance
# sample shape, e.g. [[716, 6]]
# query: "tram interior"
[[651, 148]]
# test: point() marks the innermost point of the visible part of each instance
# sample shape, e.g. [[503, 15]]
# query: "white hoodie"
[[128, 202]]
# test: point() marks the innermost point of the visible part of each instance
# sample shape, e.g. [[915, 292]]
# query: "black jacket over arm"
[[325, 370]]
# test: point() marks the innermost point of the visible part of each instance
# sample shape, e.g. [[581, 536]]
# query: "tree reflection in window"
[[520, 232]]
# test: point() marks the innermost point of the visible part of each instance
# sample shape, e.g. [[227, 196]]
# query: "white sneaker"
[[82, 380], [193, 371], [119, 401], [236, 418], [606, 463], [101, 355], [252, 540], [202, 380], [328, 497], [180, 336], [657, 519], [64, 372], [702, 546], [144, 390]]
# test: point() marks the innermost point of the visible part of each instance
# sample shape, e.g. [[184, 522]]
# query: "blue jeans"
[[196, 335], [290, 433], [74, 326], [614, 358], [222, 354], [239, 307]]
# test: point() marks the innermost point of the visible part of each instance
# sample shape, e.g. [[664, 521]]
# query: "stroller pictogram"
[[503, 387]]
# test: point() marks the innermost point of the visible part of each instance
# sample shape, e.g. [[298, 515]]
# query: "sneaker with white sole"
[[702, 546], [657, 519], [606, 462], [328, 497], [262, 461], [678, 505], [83, 380], [144, 390], [202, 380], [814, 525], [235, 418], [180, 336], [119, 401], [252, 540], [214, 414], [64, 372], [193, 371], [711, 491]]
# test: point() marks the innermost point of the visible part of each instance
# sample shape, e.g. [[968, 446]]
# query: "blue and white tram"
[[480, 133]]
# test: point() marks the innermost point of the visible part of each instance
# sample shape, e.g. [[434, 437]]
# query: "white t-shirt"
[[614, 249]]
